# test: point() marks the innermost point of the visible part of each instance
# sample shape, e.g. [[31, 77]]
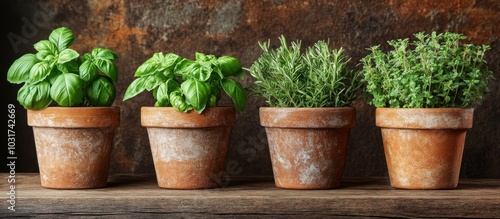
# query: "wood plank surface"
[[138, 196]]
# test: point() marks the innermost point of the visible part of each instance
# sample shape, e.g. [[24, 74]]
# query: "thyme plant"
[[286, 77], [434, 70]]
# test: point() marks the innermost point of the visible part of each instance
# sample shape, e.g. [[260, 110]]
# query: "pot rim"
[[169, 117], [424, 118], [305, 117], [75, 117]]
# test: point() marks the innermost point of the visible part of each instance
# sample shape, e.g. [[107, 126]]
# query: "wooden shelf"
[[132, 196]]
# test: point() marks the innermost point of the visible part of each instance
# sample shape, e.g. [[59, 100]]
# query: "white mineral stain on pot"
[[311, 174], [308, 169], [313, 161], [279, 154], [71, 155], [285, 163], [338, 122], [279, 117], [174, 145], [431, 120]]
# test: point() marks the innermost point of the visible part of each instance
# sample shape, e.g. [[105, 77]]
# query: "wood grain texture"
[[132, 196]]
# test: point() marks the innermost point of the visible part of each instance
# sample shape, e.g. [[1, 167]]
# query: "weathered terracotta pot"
[[189, 149], [307, 145], [73, 145], [424, 147]]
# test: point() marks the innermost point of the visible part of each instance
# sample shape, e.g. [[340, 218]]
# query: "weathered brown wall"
[[137, 29]]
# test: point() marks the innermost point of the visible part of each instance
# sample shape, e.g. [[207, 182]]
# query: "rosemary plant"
[[286, 77], [433, 71]]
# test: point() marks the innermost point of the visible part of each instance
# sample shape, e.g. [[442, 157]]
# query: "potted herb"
[[425, 91], [69, 98], [188, 131], [308, 118]]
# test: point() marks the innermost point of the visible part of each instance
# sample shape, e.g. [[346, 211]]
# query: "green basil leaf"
[[85, 57], [35, 96], [211, 58], [215, 86], [67, 55], [164, 90], [196, 93], [212, 100], [185, 68], [188, 69], [45, 56], [39, 72], [216, 69], [168, 73], [104, 54], [203, 73], [67, 90], [108, 68], [54, 74], [230, 66], [172, 85], [19, 71], [178, 102], [45, 49], [162, 93], [162, 104], [170, 60], [100, 92], [157, 58], [236, 92], [45, 45], [200, 56], [62, 68], [48, 58], [73, 65], [137, 86], [88, 71], [199, 74], [62, 37], [147, 68], [153, 81]]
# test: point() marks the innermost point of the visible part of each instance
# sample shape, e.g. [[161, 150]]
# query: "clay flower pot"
[[189, 149], [307, 145], [423, 147], [73, 145]]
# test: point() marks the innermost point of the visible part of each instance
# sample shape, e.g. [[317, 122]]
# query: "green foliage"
[[189, 84], [58, 73], [435, 70], [285, 77]]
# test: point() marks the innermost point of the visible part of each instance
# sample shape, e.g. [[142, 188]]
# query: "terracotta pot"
[[424, 147], [307, 145], [189, 149], [73, 145]]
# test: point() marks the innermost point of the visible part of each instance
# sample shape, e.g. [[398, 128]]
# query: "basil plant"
[[58, 73], [189, 84]]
